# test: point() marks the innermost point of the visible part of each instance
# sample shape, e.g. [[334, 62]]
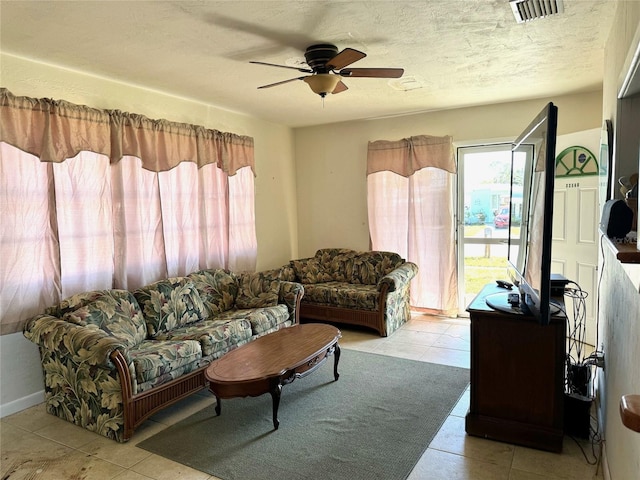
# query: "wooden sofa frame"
[[139, 407], [350, 316]]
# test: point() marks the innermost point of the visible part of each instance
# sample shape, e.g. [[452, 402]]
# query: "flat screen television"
[[530, 220]]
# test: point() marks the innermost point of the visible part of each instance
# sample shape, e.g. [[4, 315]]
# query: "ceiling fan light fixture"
[[322, 83], [327, 67]]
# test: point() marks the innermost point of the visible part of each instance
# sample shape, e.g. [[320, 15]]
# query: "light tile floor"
[[36, 445]]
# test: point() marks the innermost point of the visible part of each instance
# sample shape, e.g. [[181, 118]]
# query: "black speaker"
[[617, 219], [577, 415]]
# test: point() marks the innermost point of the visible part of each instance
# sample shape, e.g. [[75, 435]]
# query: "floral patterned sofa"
[[369, 289], [112, 358]]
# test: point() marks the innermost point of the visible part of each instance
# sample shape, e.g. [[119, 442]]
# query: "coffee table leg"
[[336, 375], [218, 406], [275, 395]]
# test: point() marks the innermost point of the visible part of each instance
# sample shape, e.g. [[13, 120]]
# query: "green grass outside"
[[478, 271]]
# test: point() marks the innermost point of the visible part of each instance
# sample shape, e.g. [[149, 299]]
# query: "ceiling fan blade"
[[303, 70], [344, 58], [340, 87], [282, 82], [372, 72]]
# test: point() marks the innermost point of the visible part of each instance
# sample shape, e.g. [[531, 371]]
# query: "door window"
[[484, 178]]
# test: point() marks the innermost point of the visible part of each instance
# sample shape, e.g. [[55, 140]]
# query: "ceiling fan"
[[327, 67]]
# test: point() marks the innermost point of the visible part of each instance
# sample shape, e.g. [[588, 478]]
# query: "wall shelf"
[[624, 252], [630, 411]]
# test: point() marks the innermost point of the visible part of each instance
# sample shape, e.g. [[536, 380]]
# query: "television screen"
[[531, 214]]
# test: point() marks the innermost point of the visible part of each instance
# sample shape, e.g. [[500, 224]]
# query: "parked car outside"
[[501, 220]]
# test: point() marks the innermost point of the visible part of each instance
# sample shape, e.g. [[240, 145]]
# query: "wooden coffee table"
[[269, 362]]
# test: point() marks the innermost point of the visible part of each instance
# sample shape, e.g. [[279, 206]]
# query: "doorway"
[[483, 192], [484, 179]]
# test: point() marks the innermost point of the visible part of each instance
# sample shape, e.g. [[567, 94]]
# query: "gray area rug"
[[375, 422]]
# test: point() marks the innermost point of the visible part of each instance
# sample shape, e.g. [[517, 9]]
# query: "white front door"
[[576, 216]]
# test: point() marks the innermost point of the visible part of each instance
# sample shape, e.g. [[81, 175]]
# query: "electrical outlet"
[[599, 359], [596, 358]]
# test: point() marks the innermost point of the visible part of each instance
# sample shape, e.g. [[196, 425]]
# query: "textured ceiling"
[[459, 52]]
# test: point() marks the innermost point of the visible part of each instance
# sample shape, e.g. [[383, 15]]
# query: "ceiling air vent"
[[525, 10]]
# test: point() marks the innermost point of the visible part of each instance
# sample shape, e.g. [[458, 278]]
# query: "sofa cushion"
[[326, 255], [310, 271], [216, 336], [115, 311], [265, 299], [158, 361], [341, 294], [169, 304], [341, 267], [256, 290], [351, 266], [266, 319], [218, 289], [370, 267], [337, 262]]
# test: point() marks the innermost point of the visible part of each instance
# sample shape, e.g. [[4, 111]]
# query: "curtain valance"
[[407, 156], [55, 130]]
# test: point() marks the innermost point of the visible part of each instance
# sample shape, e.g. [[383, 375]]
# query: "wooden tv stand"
[[517, 376]]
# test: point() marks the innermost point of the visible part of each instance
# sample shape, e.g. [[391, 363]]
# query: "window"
[[142, 200]]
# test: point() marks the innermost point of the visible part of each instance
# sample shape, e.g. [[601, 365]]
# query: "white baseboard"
[[606, 474], [21, 404], [604, 463]]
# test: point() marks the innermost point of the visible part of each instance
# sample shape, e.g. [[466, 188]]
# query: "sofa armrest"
[[83, 343], [398, 277], [290, 294], [82, 384]]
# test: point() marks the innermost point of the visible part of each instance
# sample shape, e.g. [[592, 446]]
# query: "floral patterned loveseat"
[[370, 289], [112, 358]]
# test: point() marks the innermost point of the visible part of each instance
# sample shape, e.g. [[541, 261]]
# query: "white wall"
[[620, 296], [331, 159], [619, 52], [276, 214]]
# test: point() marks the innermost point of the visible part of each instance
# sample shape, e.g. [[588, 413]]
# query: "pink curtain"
[[83, 219], [29, 247], [242, 219], [92, 199], [410, 188], [139, 256]]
